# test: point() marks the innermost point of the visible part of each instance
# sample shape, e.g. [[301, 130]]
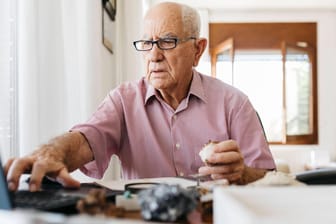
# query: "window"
[[8, 80], [275, 65]]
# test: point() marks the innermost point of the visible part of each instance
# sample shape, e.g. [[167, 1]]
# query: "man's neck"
[[173, 97], [172, 100]]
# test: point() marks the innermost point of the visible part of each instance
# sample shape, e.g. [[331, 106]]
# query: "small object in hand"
[[167, 203], [207, 151]]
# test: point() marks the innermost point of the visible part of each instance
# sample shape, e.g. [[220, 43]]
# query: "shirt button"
[[175, 116], [181, 174], [177, 145]]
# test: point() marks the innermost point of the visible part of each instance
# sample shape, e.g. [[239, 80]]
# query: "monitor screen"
[[5, 202]]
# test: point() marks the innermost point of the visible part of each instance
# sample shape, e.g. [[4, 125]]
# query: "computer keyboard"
[[54, 198], [45, 200]]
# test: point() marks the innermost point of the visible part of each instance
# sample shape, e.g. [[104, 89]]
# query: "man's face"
[[168, 70]]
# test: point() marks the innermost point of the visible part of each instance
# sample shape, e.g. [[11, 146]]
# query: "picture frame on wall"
[[109, 10]]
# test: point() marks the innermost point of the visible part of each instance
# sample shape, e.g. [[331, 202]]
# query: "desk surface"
[[33, 217], [24, 216]]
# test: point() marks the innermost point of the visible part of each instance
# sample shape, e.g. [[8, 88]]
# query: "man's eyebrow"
[[169, 35], [166, 35]]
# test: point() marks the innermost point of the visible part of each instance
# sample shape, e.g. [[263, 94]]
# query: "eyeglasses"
[[162, 43]]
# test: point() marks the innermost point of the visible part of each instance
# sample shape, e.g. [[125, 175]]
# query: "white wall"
[[129, 28]]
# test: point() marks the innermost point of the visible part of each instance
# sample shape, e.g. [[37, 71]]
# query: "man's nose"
[[155, 54]]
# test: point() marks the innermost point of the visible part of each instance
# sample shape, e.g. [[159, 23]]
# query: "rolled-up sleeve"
[[103, 132]]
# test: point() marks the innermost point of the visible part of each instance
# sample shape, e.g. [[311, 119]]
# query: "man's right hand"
[[56, 159]]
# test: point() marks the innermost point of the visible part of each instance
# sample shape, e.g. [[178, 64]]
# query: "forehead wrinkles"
[[161, 28], [161, 22]]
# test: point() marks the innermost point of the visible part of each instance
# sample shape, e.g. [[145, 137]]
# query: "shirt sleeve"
[[103, 133], [247, 130]]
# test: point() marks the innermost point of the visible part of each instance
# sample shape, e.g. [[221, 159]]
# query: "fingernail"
[[32, 187], [11, 186]]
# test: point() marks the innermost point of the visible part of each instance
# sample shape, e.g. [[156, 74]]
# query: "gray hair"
[[191, 21]]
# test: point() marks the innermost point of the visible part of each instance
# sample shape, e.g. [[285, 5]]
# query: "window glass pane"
[[259, 75], [298, 92], [283, 93]]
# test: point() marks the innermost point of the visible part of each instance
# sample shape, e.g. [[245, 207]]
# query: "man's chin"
[[157, 84]]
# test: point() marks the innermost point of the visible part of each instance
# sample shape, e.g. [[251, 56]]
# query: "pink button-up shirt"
[[153, 140]]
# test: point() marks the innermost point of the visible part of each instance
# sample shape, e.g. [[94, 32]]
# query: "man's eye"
[[168, 41], [146, 43]]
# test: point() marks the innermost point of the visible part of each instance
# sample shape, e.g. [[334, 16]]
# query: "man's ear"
[[200, 45]]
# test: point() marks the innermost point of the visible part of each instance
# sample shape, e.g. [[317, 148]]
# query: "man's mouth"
[[157, 71]]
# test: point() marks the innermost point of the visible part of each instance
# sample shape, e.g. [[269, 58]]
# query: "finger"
[[232, 177], [225, 157], [66, 179], [7, 165], [222, 169], [15, 169], [224, 146], [38, 172]]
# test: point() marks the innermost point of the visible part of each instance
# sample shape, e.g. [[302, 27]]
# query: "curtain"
[[64, 70]]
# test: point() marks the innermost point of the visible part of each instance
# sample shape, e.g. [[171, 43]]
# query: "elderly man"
[[158, 125]]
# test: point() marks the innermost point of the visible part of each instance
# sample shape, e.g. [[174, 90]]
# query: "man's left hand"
[[226, 162]]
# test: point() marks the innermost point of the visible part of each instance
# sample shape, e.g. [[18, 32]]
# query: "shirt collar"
[[196, 88], [150, 92]]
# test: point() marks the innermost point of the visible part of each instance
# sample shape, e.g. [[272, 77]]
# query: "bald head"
[[179, 15]]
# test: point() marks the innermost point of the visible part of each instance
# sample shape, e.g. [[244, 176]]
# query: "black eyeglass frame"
[[174, 40]]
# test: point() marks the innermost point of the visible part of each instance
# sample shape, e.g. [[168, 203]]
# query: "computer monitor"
[[5, 202]]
